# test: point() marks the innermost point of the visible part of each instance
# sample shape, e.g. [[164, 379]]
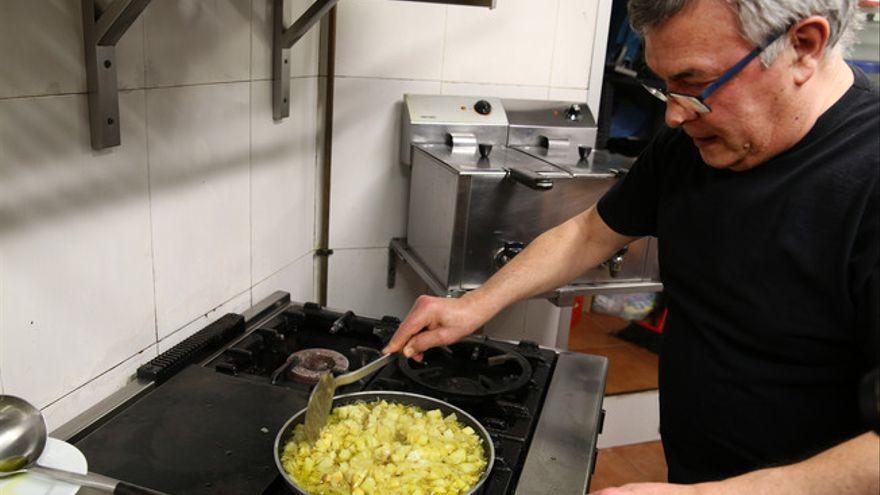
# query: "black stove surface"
[[211, 428]]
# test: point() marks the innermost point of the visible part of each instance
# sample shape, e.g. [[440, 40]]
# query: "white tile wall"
[[497, 90], [237, 304], [358, 282], [197, 41], [283, 177], [108, 257], [573, 44], [42, 46], [297, 279], [378, 38], [77, 290], [369, 195], [512, 44], [77, 401], [199, 159], [566, 94]]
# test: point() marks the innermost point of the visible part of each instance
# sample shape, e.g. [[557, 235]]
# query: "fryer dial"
[[483, 107]]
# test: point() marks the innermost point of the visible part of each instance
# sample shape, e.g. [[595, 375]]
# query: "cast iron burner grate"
[[473, 367]]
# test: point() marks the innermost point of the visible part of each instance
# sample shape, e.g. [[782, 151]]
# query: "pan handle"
[[530, 179]]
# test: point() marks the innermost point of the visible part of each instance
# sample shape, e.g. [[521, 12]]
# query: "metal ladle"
[[22, 440]]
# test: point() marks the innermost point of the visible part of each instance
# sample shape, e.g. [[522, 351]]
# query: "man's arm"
[[851, 468], [551, 260]]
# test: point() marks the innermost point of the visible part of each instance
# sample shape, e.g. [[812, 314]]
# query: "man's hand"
[[650, 489], [554, 258], [433, 322]]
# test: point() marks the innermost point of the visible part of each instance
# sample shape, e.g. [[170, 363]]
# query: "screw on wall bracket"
[[102, 29]]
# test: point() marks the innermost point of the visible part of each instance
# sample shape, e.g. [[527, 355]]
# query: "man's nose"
[[677, 114]]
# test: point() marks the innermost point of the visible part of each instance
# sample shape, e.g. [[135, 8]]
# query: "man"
[[764, 197]]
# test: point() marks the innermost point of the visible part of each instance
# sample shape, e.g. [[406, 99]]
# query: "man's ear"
[[809, 39]]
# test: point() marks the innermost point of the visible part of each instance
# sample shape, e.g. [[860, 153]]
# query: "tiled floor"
[[631, 368], [639, 463]]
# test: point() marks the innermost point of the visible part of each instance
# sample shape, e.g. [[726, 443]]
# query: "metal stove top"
[[202, 418]]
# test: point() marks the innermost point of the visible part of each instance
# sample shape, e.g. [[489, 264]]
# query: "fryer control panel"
[[455, 110]]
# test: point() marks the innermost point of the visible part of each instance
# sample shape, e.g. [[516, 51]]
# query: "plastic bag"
[[626, 306]]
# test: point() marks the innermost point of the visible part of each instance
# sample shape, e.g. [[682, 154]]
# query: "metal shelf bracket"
[[284, 38], [104, 23]]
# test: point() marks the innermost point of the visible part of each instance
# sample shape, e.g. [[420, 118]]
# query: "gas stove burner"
[[472, 367], [310, 364]]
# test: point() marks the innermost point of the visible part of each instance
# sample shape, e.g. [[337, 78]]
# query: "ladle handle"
[[92, 480], [123, 488]]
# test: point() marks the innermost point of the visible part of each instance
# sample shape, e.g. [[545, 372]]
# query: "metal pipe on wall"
[[322, 250]]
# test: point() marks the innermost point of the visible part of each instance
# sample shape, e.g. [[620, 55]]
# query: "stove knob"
[[574, 112], [483, 107]]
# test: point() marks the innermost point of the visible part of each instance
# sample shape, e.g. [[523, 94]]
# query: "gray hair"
[[761, 20]]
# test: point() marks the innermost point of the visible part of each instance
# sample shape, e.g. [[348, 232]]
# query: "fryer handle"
[[530, 178]]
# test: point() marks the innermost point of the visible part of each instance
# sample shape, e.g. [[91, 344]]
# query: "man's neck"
[[832, 80], [838, 77]]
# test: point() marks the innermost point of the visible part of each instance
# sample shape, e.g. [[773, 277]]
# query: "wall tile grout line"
[[148, 87], [150, 191], [205, 314], [99, 376], [443, 45], [296, 260], [301, 77], [593, 51], [553, 50], [251, 151]]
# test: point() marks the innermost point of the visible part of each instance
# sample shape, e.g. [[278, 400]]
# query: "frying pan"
[[405, 398]]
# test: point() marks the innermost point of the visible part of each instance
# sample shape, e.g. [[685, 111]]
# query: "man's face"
[[750, 113]]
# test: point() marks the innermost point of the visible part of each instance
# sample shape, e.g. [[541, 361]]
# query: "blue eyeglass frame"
[[698, 102]]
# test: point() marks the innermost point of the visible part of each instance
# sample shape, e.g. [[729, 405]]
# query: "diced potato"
[[388, 449]]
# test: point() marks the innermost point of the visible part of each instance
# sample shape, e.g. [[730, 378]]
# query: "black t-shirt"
[[772, 285]]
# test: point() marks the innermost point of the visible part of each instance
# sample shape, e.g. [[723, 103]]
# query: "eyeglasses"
[[698, 103]]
